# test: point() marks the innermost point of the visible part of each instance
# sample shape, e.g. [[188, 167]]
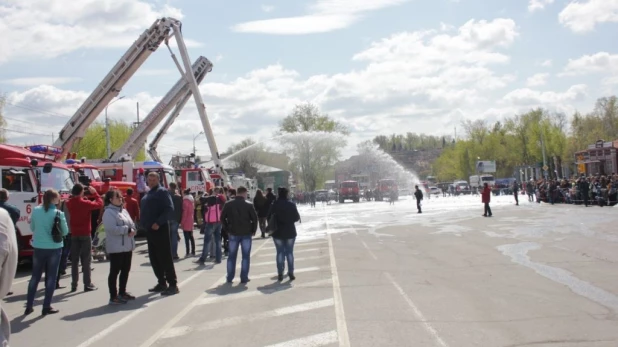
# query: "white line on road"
[[310, 341], [272, 262], [225, 322], [296, 271], [154, 337], [252, 293], [342, 327], [295, 251], [368, 250], [417, 312], [301, 244]]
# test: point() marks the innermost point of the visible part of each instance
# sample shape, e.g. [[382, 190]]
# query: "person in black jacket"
[[418, 194], [175, 223], [286, 214], [262, 205], [157, 211], [240, 220]]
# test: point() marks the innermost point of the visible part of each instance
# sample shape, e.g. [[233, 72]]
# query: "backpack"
[[213, 214], [56, 231]]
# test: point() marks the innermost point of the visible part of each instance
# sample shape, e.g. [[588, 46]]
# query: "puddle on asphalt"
[[518, 253]]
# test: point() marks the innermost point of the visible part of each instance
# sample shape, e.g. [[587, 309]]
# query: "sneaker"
[[172, 290], [292, 277], [245, 281], [158, 288], [49, 310], [116, 301], [90, 288], [73, 288], [28, 311], [126, 296]]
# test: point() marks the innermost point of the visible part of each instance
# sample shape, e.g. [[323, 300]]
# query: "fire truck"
[[26, 174], [384, 189], [90, 175], [189, 175]]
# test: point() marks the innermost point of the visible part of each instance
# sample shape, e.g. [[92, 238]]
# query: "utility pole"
[[544, 157]]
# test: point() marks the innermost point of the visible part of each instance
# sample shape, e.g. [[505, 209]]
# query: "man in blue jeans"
[[240, 220]]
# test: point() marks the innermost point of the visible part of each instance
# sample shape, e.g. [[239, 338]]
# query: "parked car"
[[433, 190]]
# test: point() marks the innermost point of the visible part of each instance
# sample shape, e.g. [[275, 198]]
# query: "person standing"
[[530, 190], [418, 194], [10, 208], [286, 214], [486, 198], [119, 244], [132, 206], [157, 211], [47, 252], [142, 187], [212, 225], [516, 192], [80, 208], [240, 220], [187, 221], [260, 202], [8, 268], [175, 222]]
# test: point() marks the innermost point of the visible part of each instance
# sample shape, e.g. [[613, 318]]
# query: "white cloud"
[[36, 81], [534, 98], [583, 16], [324, 16], [50, 28], [539, 79], [600, 63], [537, 5], [154, 72], [546, 63], [267, 8]]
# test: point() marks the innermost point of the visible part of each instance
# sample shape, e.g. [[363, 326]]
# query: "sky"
[[378, 66]]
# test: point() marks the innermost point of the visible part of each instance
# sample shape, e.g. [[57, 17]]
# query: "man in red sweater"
[[80, 210], [132, 206]]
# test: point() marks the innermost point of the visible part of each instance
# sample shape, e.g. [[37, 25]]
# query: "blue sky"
[[380, 66]]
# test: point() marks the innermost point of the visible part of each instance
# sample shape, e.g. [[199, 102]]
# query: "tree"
[[245, 156], [93, 145], [2, 121], [314, 142]]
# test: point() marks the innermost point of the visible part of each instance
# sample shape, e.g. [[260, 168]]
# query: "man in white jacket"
[[8, 268]]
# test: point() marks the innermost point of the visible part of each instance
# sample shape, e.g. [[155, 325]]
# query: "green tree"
[[245, 156], [93, 145], [314, 142], [2, 120]]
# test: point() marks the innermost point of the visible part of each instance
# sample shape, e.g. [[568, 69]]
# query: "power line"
[[25, 132], [33, 109], [27, 121]]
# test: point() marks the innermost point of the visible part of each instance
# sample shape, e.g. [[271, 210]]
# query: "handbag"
[[56, 231]]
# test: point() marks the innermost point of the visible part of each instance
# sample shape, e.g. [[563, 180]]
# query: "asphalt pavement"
[[369, 274]]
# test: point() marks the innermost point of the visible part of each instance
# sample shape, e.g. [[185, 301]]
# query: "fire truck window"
[[16, 182], [193, 176]]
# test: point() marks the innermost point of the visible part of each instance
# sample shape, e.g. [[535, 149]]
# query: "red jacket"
[[132, 206], [80, 214], [486, 195]]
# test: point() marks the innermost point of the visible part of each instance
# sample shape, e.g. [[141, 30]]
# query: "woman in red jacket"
[[486, 198]]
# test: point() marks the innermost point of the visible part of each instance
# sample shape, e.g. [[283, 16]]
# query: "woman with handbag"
[[281, 217], [48, 226], [120, 231]]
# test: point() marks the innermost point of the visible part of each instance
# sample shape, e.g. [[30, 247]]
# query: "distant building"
[[600, 158]]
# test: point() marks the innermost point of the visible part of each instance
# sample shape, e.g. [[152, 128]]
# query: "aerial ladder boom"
[[199, 102], [177, 96], [115, 80]]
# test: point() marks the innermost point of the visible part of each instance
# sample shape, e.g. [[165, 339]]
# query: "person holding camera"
[[119, 243], [80, 224]]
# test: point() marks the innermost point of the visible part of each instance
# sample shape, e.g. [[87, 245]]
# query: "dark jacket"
[[418, 194], [177, 201], [287, 214], [271, 198], [239, 218], [156, 207], [12, 210], [261, 206]]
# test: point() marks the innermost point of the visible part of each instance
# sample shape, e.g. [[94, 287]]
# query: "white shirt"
[[8, 268]]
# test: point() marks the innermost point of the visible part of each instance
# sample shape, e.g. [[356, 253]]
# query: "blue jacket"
[[156, 207], [41, 224], [287, 214], [12, 210]]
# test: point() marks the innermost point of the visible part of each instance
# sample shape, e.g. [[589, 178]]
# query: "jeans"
[[189, 240], [44, 260], [245, 244], [418, 204], [81, 249], [285, 250], [119, 263], [487, 210], [66, 250], [160, 254], [262, 222], [210, 229], [174, 231]]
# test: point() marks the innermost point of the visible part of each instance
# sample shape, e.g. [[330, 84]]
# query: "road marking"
[[342, 327], [272, 262], [310, 341], [21, 281], [226, 322], [296, 271], [187, 308], [300, 244], [368, 250], [295, 251], [248, 294], [417, 312]]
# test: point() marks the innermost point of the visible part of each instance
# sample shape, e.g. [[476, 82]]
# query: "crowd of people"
[[584, 190], [64, 230]]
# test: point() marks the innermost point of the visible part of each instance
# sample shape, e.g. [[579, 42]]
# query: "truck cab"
[[197, 180], [349, 190], [130, 171], [384, 189]]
